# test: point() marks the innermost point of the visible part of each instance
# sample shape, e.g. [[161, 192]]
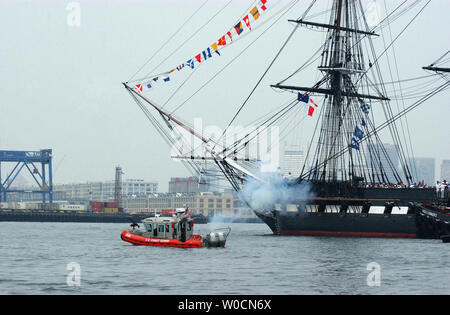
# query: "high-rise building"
[[387, 156], [423, 170], [445, 170], [293, 160]]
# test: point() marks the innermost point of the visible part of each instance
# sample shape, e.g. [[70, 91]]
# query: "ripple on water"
[[254, 262]]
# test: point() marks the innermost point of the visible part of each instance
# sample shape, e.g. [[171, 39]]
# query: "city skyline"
[[298, 157]]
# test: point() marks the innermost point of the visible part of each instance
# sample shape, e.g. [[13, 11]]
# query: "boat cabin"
[[169, 227]]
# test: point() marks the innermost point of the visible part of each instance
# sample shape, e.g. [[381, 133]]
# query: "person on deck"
[[444, 188], [438, 189]]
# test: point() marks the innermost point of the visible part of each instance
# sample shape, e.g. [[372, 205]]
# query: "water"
[[34, 258]]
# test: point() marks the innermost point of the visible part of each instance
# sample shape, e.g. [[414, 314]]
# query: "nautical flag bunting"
[[355, 144], [314, 103], [255, 12], [239, 29], [190, 63], [365, 108], [358, 133], [262, 5], [229, 35], [247, 22], [222, 41], [206, 53], [216, 49], [303, 97]]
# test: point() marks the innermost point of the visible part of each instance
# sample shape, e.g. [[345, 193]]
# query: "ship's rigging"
[[348, 143]]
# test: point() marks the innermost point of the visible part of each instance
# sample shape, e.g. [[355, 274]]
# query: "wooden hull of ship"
[[345, 224], [348, 225]]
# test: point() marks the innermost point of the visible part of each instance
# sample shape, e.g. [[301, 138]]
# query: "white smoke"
[[275, 190], [237, 216]]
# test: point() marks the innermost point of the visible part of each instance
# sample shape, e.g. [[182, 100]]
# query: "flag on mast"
[[239, 29], [262, 5], [247, 22], [255, 13]]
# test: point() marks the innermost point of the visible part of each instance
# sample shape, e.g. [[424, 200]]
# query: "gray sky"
[[61, 85]]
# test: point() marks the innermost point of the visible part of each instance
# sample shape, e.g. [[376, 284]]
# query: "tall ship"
[[350, 185]]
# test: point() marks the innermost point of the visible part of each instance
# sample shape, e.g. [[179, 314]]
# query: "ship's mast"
[[343, 67], [349, 82], [332, 140]]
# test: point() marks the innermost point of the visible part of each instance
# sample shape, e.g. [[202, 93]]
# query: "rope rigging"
[[352, 84], [167, 41]]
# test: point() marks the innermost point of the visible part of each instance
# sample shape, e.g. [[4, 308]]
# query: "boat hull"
[[338, 211], [424, 223], [347, 224], [134, 239]]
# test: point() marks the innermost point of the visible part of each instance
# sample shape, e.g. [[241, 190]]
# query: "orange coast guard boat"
[[173, 230]]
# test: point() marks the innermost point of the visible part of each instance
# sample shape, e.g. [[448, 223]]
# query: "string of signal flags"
[[358, 133], [212, 50]]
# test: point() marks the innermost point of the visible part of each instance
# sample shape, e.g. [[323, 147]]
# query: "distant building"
[[241, 209], [136, 204], [293, 159], [423, 169], [94, 191], [387, 156], [103, 191], [215, 204], [445, 170], [187, 185], [204, 203], [211, 179]]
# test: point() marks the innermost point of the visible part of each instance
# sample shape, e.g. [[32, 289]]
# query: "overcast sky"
[[61, 84]]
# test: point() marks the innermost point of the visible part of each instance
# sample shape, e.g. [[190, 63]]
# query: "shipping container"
[[96, 204], [21, 205], [33, 206], [69, 207], [111, 210], [168, 211], [112, 204]]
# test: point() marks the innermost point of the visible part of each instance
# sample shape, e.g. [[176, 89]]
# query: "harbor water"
[[39, 258]]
